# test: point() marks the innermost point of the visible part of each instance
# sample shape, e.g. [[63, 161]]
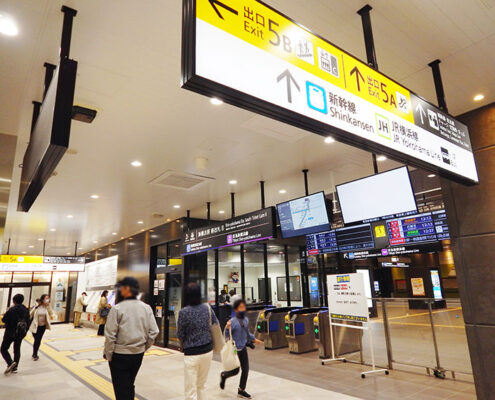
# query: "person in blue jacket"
[[239, 326]]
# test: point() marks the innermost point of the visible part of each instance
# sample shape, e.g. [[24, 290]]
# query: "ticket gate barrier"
[[299, 330], [345, 340], [252, 314], [270, 327]]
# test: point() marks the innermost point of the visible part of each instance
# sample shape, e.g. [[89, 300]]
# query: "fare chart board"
[[252, 56]]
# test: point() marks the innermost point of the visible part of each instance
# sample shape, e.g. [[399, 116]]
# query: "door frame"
[[13, 285]]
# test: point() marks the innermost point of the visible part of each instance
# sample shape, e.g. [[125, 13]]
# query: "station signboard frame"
[[385, 117]]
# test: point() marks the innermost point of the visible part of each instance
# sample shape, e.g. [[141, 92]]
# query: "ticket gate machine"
[[346, 340], [299, 330], [253, 313], [270, 327]]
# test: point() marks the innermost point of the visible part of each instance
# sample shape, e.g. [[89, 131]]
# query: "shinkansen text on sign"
[[254, 57]]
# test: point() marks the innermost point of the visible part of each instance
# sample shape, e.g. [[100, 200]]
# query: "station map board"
[[252, 56]]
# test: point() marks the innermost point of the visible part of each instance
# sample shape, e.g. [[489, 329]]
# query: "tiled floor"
[[71, 367]]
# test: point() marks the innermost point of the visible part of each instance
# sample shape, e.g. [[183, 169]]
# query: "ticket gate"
[[252, 314], [346, 340], [299, 330], [270, 327]]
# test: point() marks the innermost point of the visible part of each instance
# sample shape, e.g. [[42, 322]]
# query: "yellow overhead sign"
[[13, 259], [265, 28]]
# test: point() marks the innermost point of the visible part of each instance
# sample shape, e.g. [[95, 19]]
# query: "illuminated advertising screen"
[[437, 287]]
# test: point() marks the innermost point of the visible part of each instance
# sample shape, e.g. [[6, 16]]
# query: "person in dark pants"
[[40, 322], [239, 327], [130, 330], [103, 307], [16, 321]]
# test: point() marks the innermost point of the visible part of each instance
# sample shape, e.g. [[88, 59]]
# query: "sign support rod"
[[370, 52], [262, 192], [188, 217], [75, 249], [243, 273], [265, 271], [208, 212], [44, 245], [8, 247], [232, 204], [69, 14], [287, 277], [437, 79], [306, 186], [49, 69]]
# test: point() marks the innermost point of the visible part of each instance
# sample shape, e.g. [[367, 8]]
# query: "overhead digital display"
[[303, 216], [413, 229], [321, 243], [441, 224], [355, 238], [387, 194], [252, 56]]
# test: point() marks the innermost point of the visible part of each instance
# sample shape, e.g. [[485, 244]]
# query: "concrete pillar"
[[471, 213]]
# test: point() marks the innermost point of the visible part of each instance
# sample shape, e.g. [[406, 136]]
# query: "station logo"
[[383, 126]]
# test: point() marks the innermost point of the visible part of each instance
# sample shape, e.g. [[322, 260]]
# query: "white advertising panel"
[[347, 298], [256, 58]]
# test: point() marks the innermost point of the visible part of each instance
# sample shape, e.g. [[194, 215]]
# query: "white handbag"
[[230, 361]]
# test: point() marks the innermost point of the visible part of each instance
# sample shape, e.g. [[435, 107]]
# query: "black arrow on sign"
[[359, 76], [290, 78], [214, 4]]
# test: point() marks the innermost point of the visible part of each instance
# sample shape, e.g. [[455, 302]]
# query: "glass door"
[[4, 301], [174, 304]]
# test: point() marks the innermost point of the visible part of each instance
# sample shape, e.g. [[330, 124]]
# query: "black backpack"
[[21, 329]]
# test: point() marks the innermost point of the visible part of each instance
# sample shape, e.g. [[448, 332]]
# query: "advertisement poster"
[[161, 284], [159, 311], [155, 291], [347, 297], [418, 288]]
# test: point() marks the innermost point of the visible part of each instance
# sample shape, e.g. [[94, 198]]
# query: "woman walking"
[[239, 327], [102, 313], [40, 322], [194, 332]]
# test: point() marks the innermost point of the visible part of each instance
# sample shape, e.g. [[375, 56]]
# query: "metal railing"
[[423, 336]]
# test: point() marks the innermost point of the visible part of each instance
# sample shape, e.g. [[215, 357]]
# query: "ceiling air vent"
[[180, 180]]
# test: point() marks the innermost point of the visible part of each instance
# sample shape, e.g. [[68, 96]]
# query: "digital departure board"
[[321, 243], [441, 224], [409, 230], [353, 238]]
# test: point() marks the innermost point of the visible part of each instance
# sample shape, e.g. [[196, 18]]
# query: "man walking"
[[16, 321], [130, 330], [79, 308]]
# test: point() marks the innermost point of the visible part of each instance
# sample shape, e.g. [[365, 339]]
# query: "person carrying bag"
[[234, 353]]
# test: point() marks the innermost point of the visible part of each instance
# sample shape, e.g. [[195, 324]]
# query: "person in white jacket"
[[130, 330], [79, 308], [40, 317]]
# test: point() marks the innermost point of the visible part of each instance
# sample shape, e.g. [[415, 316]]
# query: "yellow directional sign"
[[253, 56], [15, 259]]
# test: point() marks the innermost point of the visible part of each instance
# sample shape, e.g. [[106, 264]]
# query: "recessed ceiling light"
[[95, 241], [216, 101], [381, 158], [95, 196], [68, 253], [282, 191], [329, 139], [478, 97], [114, 233], [431, 176], [40, 239], [176, 206], [232, 182], [31, 246], [5, 180], [80, 248], [136, 163], [23, 252], [168, 220], [8, 26], [70, 216], [52, 230], [221, 212], [140, 222]]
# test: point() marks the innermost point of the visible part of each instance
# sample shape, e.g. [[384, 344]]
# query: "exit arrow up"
[[286, 74], [421, 111], [359, 76], [214, 4]]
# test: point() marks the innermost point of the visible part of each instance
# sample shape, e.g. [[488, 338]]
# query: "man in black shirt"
[[16, 321]]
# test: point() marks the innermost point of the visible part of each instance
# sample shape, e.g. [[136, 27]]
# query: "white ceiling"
[[129, 69]]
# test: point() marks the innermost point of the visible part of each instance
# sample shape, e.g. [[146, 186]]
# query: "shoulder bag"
[[216, 333]]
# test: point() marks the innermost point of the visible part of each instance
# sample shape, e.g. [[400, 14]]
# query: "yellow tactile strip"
[[80, 368]]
